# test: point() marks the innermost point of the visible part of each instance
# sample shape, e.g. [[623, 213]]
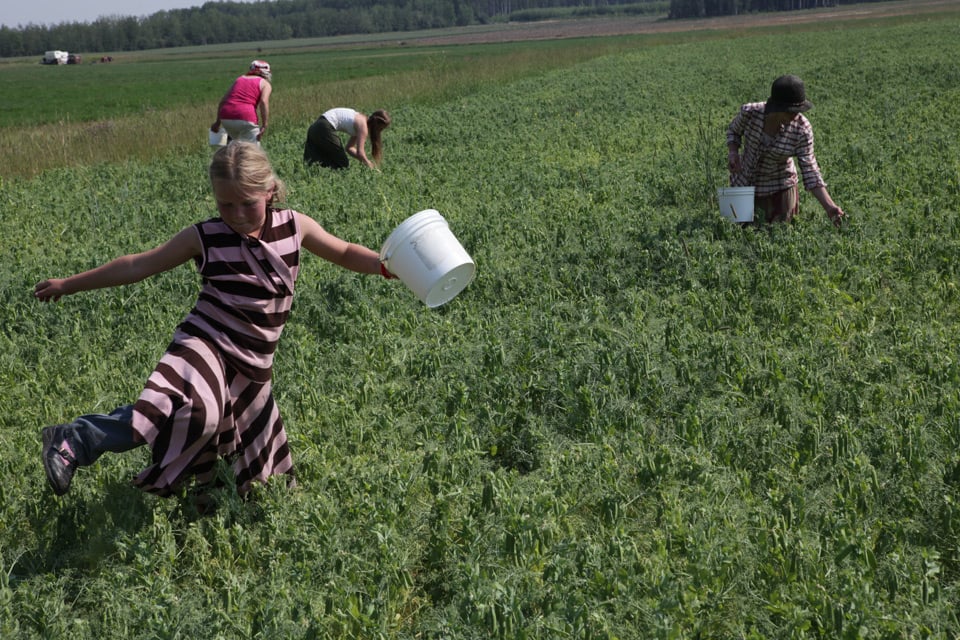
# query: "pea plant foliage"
[[639, 420]]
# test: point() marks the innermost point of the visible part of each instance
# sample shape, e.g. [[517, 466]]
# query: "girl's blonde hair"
[[376, 123], [248, 167]]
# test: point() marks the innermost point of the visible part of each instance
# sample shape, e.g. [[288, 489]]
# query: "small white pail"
[[428, 258], [736, 203], [218, 138]]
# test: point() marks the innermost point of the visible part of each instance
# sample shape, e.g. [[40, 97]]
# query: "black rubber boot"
[[81, 442]]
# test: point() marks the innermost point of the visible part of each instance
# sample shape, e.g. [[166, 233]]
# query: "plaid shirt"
[[769, 165]]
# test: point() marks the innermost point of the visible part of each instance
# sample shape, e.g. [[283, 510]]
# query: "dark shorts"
[[324, 147]]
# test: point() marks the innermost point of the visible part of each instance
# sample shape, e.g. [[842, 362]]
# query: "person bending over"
[[238, 110], [324, 146], [762, 141]]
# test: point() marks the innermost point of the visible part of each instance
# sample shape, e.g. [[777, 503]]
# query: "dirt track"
[[558, 29]]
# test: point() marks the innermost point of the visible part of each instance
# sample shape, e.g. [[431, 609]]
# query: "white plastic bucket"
[[736, 203], [428, 258], [218, 138]]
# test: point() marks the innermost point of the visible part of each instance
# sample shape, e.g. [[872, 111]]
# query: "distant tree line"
[[711, 8], [224, 22]]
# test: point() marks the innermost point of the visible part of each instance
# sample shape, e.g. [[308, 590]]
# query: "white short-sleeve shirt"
[[342, 119]]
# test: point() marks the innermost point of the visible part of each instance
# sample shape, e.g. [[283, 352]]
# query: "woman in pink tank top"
[[238, 109]]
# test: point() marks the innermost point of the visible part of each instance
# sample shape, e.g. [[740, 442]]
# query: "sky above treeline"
[[15, 14]]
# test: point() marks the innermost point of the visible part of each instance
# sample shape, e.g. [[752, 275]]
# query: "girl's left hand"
[[49, 290]]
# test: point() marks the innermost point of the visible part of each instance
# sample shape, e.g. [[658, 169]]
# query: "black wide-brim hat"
[[787, 95]]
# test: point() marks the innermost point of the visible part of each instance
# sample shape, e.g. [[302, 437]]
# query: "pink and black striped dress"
[[211, 395]]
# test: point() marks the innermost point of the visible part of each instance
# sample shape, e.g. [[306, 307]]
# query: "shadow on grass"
[[92, 522], [77, 531]]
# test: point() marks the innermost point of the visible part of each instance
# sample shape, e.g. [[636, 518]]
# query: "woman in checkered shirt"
[[763, 140]]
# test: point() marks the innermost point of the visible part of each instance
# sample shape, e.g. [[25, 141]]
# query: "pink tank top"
[[242, 100]]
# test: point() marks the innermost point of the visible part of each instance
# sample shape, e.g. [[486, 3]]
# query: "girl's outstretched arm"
[[125, 269], [348, 255]]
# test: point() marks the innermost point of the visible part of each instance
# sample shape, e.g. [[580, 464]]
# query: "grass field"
[[637, 422], [162, 103]]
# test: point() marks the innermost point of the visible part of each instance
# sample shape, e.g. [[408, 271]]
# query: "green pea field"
[[640, 420]]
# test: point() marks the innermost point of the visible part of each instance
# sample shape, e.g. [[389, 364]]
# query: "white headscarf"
[[261, 68]]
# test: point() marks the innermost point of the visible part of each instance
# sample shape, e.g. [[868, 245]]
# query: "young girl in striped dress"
[[210, 396]]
